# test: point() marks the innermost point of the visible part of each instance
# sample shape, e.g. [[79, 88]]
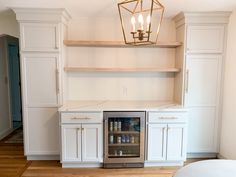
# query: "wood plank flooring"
[[53, 169], [14, 164], [12, 160]]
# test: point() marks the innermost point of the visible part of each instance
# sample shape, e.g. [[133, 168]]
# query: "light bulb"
[[140, 20], [133, 23], [148, 22], [148, 19], [133, 20]]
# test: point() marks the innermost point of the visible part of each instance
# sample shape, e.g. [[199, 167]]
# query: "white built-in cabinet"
[[41, 79], [197, 72], [82, 143], [81, 138], [166, 136], [205, 38], [40, 36], [203, 51], [41, 130], [41, 31]]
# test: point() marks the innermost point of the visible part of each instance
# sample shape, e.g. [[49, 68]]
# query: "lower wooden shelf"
[[96, 69]]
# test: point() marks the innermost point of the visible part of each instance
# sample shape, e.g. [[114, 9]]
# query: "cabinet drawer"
[[39, 37], [81, 117], [167, 117]]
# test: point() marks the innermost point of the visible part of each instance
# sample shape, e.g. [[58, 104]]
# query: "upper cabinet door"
[[39, 37], [92, 143], [41, 80], [205, 39], [203, 76]]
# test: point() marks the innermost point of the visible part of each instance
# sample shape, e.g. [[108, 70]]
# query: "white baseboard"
[[164, 164], [5, 133], [202, 155], [43, 157], [81, 165]]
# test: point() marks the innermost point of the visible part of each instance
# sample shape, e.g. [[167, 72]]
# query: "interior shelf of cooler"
[[123, 155], [124, 144], [124, 132]]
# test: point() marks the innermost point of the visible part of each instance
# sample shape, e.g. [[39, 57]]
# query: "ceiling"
[[103, 8]]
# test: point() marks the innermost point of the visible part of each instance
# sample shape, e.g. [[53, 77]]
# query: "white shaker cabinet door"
[[39, 37], [92, 142], [176, 142], [41, 131], [41, 80], [203, 76], [202, 131], [205, 39], [71, 143], [202, 98], [156, 142]]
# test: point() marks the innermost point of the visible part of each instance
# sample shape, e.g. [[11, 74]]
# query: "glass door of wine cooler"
[[124, 137]]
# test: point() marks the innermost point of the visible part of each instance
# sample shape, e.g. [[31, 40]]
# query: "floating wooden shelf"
[[86, 69], [120, 44]]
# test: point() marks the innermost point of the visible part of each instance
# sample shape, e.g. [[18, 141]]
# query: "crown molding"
[[41, 14], [202, 18]]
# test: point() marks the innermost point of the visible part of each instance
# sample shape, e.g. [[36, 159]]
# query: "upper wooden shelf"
[[96, 69], [121, 44]]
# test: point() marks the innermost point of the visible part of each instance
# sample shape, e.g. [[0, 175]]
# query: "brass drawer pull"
[[167, 118], [79, 118]]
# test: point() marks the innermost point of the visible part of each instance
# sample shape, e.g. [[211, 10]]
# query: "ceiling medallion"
[[140, 21]]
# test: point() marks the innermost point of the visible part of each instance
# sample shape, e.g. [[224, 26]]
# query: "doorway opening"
[[10, 92]]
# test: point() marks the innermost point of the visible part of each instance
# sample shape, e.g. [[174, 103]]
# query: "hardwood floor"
[[12, 160], [53, 169], [14, 164]]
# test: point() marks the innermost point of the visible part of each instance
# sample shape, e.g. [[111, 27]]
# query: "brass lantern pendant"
[[140, 21]]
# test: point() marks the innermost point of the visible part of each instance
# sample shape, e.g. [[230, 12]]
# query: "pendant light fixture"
[[140, 21]]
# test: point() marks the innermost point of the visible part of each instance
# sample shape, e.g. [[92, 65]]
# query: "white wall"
[[118, 86], [228, 141], [8, 25]]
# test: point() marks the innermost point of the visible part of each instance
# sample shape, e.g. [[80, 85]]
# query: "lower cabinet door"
[[202, 131], [156, 142], [41, 131], [176, 142], [92, 143], [71, 143]]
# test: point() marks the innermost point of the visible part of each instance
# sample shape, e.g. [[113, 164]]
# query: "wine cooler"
[[124, 139]]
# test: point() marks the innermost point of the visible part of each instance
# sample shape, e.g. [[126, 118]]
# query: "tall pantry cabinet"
[[41, 47], [203, 52]]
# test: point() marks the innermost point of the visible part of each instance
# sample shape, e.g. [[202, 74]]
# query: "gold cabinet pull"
[[75, 118], [168, 118]]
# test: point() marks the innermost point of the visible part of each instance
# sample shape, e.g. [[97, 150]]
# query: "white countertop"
[[106, 105]]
